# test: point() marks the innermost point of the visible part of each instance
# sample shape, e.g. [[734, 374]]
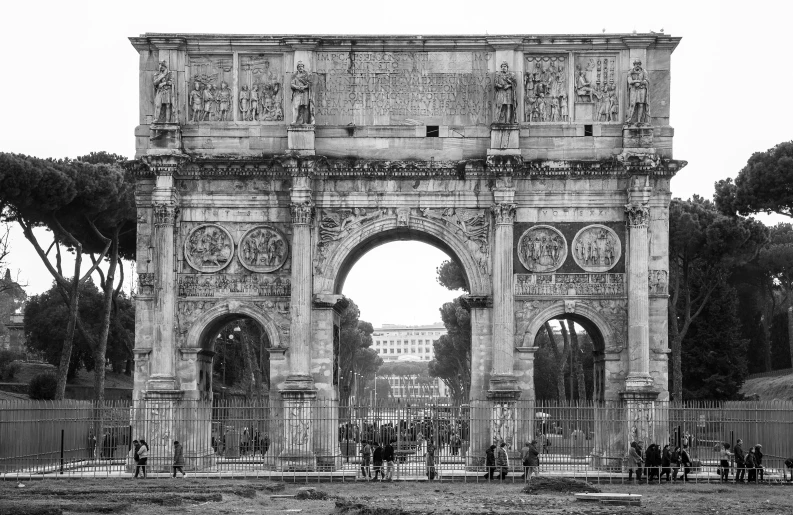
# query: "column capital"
[[302, 212], [165, 164], [504, 213], [638, 215], [165, 213]]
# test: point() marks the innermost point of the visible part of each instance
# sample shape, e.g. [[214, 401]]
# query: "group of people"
[[748, 465], [140, 454], [373, 456], [443, 433], [657, 462], [497, 460]]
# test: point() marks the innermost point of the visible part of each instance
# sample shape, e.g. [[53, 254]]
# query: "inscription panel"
[[395, 88]]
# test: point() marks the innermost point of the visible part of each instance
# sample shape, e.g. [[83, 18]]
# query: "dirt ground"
[[199, 496]]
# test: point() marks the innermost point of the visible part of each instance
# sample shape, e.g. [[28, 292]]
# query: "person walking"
[[758, 457], [751, 466], [666, 463], [143, 457], [724, 462], [366, 458], [740, 461], [531, 459], [388, 457], [430, 460], [635, 462], [685, 460], [675, 459], [490, 462], [178, 458], [377, 457], [502, 461]]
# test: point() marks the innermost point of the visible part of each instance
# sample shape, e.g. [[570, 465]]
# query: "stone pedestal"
[[642, 417], [165, 136], [504, 139], [300, 139], [637, 137], [298, 452]]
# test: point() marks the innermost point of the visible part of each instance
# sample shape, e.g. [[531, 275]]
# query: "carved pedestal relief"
[[209, 248], [658, 282], [545, 88], [263, 249], [596, 248], [542, 249], [261, 78], [503, 423], [596, 90], [210, 98]]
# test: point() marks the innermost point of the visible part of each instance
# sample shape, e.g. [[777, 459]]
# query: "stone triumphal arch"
[[267, 165]]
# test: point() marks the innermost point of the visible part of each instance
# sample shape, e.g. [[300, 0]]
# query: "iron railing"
[[321, 440]]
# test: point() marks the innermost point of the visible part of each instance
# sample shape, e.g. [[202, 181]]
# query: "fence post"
[[62, 434]]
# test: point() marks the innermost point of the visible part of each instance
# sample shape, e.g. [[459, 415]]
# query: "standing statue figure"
[[224, 102], [163, 96], [196, 102], [506, 99], [638, 102], [302, 110], [209, 102], [253, 114], [245, 102]]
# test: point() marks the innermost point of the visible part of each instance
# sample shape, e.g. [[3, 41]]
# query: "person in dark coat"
[[653, 462], [502, 460], [531, 459], [388, 457], [490, 462], [666, 463], [685, 460], [675, 459], [751, 466], [377, 458], [178, 458], [740, 461], [758, 457]]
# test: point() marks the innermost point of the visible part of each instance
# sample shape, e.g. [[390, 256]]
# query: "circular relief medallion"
[[208, 248], [542, 248], [263, 249], [596, 248]]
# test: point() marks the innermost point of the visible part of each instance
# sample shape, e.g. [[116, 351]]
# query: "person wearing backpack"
[[366, 459]]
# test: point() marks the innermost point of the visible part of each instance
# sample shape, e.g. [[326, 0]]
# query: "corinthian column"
[[638, 217], [300, 305], [502, 379]]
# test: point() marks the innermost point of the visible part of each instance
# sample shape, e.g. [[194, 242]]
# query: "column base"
[[639, 383], [304, 385]]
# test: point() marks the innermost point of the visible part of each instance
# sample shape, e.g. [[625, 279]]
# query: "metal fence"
[[319, 440]]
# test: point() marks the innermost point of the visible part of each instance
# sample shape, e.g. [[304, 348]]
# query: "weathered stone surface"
[[286, 159]]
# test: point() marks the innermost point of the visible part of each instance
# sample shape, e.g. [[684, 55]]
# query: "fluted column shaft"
[[638, 215], [503, 312], [300, 306]]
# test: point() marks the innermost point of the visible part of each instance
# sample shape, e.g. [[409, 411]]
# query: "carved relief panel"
[[210, 98], [542, 248], [263, 249], [545, 89], [209, 248], [596, 88], [596, 248], [261, 92]]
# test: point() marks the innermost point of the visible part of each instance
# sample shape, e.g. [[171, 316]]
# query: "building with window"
[[395, 342]]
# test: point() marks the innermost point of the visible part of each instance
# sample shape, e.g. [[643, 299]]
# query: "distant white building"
[[406, 342]]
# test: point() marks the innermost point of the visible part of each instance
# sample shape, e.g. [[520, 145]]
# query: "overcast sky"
[[71, 87]]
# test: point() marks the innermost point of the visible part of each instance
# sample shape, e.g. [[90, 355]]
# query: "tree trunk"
[[790, 330], [68, 342], [561, 393], [577, 362], [566, 356]]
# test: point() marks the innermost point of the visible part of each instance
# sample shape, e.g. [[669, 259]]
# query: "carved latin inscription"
[[542, 249], [263, 249], [209, 248], [596, 248], [404, 87]]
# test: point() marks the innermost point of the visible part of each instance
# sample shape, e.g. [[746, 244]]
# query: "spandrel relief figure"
[[209, 248], [638, 96], [224, 102], [163, 94], [263, 249], [245, 103], [564, 112], [302, 108], [506, 97], [196, 102]]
